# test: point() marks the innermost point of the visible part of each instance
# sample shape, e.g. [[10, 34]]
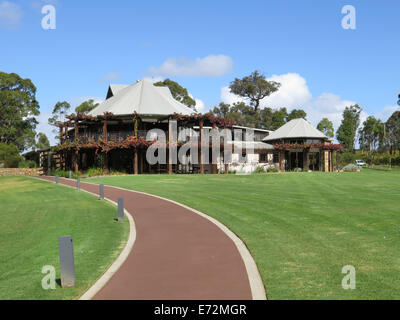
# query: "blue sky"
[[206, 44]]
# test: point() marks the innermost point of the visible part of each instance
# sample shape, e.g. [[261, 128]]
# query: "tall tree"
[[296, 114], [42, 141], [178, 92], [326, 127], [371, 133], [86, 106], [18, 109], [222, 110], [254, 87], [60, 110], [347, 131], [279, 117], [393, 131]]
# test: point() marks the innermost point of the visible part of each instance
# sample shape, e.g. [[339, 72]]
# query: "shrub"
[[93, 172], [272, 169], [351, 168], [64, 174], [348, 157], [117, 173], [9, 155], [259, 169], [27, 164]]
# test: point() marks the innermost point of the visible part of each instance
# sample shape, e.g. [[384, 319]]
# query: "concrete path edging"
[[256, 284], [107, 275]]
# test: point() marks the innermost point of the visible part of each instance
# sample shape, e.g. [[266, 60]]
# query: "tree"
[[326, 127], [296, 114], [9, 155], [279, 117], [60, 110], [347, 131], [398, 101], [42, 141], [178, 92], [254, 87], [18, 108], [393, 131], [371, 134], [222, 110], [86, 106]]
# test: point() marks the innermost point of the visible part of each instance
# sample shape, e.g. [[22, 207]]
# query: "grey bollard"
[[67, 264], [70, 174], [78, 184], [120, 209], [101, 191], [57, 179]]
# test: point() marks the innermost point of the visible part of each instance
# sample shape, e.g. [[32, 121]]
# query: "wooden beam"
[[214, 165], [105, 130], [135, 155], [201, 154], [105, 155], [170, 138]]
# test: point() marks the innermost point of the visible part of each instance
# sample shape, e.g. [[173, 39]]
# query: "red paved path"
[[177, 254]]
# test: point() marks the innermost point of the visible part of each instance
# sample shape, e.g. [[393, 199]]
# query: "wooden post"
[[214, 165], [136, 157], [337, 160], [170, 138], [76, 158], [105, 155], [280, 161], [331, 155], [306, 159], [76, 125], [61, 152], [201, 154]]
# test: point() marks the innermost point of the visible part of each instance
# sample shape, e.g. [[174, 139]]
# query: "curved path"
[[177, 254]]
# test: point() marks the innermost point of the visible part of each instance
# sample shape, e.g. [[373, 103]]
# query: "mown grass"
[[301, 228], [33, 215]]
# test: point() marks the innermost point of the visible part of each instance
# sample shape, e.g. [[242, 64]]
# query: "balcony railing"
[[111, 136]]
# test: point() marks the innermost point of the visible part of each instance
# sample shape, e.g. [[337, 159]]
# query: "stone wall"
[[9, 172]]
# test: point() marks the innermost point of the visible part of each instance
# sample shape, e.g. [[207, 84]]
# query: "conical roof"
[[296, 128], [143, 98]]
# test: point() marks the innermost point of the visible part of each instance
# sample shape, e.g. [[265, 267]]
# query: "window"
[[263, 157], [276, 158]]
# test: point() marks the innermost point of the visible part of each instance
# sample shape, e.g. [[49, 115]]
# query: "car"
[[361, 163]]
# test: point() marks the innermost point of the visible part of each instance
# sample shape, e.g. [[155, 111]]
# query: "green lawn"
[[301, 228], [33, 215]]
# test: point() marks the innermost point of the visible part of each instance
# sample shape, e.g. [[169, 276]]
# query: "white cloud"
[[295, 94], [10, 14], [200, 106], [111, 76], [210, 66], [385, 114]]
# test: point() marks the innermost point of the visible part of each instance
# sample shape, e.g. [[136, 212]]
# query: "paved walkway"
[[177, 254]]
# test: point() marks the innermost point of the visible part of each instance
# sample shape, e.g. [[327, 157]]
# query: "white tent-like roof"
[[296, 128], [143, 98]]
